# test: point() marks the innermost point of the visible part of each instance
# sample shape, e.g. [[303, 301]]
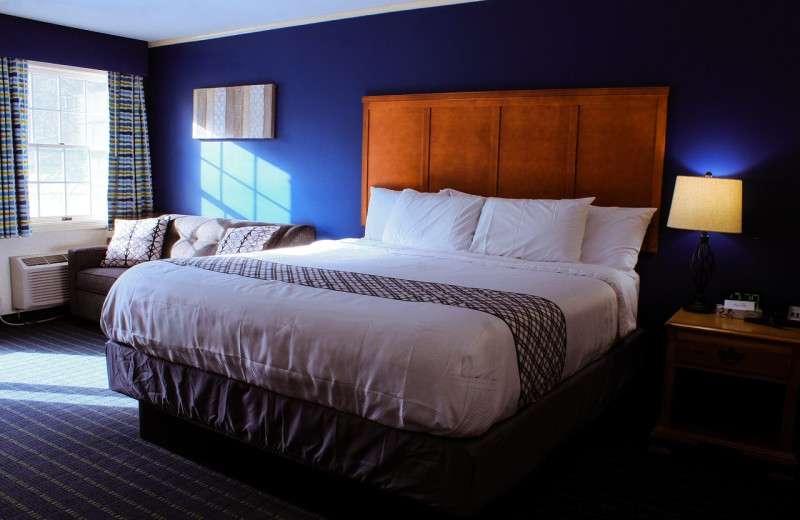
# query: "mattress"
[[423, 367]]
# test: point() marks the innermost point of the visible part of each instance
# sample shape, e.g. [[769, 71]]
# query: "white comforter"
[[416, 366]]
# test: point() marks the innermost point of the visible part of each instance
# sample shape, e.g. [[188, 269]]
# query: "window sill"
[[69, 225]]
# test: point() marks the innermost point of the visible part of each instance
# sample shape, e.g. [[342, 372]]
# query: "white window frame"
[[64, 71]]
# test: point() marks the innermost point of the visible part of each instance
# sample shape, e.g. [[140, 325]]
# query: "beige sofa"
[[186, 235]]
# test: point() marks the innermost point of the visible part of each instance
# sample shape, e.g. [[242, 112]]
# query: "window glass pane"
[[78, 201], [98, 130], [44, 93], [33, 199], [97, 97], [72, 97], [76, 165], [51, 165], [33, 164], [45, 127], [100, 184], [100, 201], [73, 128], [68, 142], [99, 167], [51, 200]]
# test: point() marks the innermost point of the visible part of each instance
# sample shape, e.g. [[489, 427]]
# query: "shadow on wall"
[[235, 183]]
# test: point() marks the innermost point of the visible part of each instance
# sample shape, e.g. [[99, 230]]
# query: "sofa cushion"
[[135, 241], [189, 235], [247, 239], [193, 236], [98, 279]]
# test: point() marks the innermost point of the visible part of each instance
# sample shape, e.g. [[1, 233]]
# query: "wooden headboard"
[[544, 144]]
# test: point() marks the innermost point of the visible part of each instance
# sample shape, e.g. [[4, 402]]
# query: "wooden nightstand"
[[731, 383]]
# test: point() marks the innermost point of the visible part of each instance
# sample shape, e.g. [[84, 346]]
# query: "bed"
[[444, 355]]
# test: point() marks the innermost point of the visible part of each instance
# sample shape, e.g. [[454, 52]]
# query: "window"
[[67, 143]]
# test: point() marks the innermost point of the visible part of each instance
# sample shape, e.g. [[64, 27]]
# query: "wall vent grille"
[[39, 281]]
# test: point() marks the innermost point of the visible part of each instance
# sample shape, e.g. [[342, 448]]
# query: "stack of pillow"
[[566, 230]]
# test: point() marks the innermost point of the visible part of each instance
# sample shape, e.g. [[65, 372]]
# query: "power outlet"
[[794, 313]]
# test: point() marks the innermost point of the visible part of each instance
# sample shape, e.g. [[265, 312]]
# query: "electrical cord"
[[20, 324]]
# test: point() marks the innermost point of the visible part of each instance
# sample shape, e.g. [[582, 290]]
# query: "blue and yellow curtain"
[[14, 210], [130, 188]]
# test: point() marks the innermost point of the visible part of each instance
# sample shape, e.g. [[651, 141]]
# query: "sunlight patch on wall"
[[273, 196], [235, 183]]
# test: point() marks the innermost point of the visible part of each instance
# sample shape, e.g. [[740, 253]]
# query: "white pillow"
[[455, 193], [614, 236], [381, 202], [432, 221], [531, 229], [135, 242], [246, 239]]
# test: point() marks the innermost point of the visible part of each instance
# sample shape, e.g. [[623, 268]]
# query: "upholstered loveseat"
[[185, 235]]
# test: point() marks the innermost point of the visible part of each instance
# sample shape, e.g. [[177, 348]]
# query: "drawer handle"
[[730, 356]]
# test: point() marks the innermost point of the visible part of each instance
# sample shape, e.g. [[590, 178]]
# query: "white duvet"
[[416, 366]]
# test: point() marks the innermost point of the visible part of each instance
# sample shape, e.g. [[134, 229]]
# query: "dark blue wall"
[[38, 41], [732, 68]]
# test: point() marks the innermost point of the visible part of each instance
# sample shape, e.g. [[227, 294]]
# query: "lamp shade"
[[706, 204]]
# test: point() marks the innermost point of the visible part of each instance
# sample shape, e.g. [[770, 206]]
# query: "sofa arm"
[[298, 236], [86, 257], [79, 259]]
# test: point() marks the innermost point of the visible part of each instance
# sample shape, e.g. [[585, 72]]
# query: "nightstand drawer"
[[734, 356]]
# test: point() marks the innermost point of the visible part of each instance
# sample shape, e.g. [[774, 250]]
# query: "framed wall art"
[[242, 112]]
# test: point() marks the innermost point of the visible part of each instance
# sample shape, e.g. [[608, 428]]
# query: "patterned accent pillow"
[[135, 242], [246, 239]]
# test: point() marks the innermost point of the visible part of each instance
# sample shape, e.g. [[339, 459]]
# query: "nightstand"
[[731, 383]]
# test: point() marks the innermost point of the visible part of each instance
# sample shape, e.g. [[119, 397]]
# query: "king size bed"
[[488, 313]]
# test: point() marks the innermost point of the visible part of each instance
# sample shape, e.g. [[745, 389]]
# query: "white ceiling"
[[162, 22]]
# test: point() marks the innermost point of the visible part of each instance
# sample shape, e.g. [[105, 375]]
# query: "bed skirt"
[[457, 476]]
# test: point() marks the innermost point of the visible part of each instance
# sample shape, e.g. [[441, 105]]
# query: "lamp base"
[[700, 308], [701, 267]]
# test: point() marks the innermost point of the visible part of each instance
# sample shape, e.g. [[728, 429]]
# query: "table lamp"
[[705, 204]]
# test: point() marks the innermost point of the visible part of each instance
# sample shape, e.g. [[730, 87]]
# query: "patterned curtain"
[[130, 188], [14, 214]]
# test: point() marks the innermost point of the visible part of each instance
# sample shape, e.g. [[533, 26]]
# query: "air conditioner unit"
[[39, 281]]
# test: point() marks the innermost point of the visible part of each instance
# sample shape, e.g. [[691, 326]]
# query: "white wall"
[[45, 239]]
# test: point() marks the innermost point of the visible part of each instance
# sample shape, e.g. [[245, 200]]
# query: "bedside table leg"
[[660, 448], [783, 474]]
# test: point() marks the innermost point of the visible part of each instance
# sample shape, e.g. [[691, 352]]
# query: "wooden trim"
[[571, 159], [364, 166], [510, 94], [424, 172], [651, 240], [791, 398], [494, 161]]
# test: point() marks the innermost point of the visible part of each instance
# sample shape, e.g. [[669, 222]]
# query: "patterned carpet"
[[69, 448]]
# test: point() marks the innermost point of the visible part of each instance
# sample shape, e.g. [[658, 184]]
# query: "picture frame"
[[238, 112]]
